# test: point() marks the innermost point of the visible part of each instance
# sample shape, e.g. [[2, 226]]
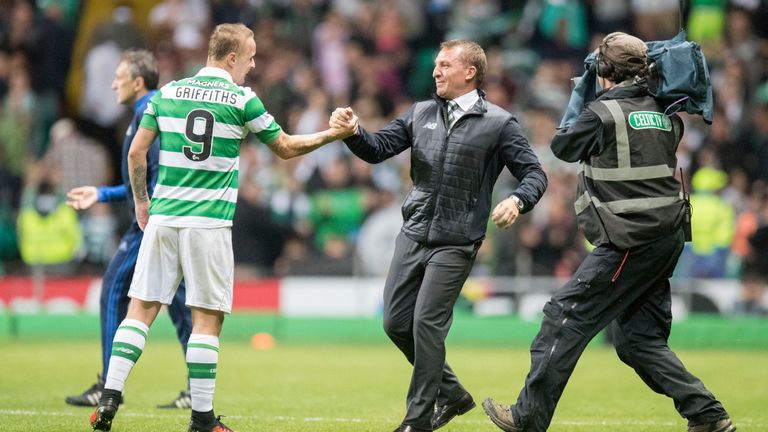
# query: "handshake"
[[343, 122]]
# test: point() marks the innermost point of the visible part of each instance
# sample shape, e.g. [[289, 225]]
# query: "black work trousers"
[[632, 288], [421, 290]]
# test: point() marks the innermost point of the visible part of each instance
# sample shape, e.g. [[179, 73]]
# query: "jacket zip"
[[442, 167]]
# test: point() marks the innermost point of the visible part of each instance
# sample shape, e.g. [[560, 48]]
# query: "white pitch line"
[[150, 415], [740, 422]]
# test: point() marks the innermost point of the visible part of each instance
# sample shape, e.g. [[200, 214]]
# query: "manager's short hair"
[[142, 64], [227, 38], [471, 54]]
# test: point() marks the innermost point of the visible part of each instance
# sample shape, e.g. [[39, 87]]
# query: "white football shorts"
[[202, 256]]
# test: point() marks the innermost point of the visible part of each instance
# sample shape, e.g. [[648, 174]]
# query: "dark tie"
[[450, 115]]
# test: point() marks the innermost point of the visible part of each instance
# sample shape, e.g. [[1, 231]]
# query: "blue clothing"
[[583, 93], [114, 295], [123, 191], [119, 273]]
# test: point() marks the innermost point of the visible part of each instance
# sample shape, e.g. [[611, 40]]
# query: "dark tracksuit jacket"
[[628, 206], [445, 216]]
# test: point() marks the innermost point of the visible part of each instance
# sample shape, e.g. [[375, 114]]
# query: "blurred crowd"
[[329, 213]]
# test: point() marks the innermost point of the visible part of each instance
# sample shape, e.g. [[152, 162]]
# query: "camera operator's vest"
[[628, 194]]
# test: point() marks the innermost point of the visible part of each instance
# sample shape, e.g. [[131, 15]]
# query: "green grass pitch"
[[356, 388]]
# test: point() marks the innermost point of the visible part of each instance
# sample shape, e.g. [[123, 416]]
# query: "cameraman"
[[629, 206]]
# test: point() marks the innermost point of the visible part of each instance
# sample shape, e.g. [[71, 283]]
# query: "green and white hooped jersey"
[[201, 122]]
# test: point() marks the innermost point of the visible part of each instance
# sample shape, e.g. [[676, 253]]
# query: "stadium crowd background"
[[329, 213]]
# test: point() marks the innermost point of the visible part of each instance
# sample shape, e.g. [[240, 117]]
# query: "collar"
[[625, 89], [217, 72], [467, 100], [142, 101]]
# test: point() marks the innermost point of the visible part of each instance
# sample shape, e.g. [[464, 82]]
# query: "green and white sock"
[[126, 349], [202, 361]]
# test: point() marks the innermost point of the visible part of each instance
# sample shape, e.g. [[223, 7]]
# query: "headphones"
[[608, 68]]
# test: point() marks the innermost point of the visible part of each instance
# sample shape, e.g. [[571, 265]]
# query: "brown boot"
[[501, 416], [722, 425]]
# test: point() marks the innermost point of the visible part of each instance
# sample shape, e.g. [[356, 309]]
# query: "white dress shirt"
[[465, 102]]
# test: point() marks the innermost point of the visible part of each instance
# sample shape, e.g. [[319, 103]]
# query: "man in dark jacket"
[[459, 144], [630, 208], [135, 83]]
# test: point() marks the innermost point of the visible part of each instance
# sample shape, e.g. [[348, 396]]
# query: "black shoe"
[[722, 425], [409, 428], [444, 414], [501, 416], [101, 419], [89, 397], [218, 426], [182, 401]]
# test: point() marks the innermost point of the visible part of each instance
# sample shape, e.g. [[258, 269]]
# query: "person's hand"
[[82, 198], [343, 122], [505, 213], [142, 214]]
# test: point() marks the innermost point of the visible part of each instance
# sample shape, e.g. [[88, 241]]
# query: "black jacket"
[[454, 171], [628, 194]]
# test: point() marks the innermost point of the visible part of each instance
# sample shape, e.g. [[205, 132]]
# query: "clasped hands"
[[344, 119], [504, 215]]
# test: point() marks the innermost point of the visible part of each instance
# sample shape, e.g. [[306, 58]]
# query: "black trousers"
[[632, 288], [421, 290]]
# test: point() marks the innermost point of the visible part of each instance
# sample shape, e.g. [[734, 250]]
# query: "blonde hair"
[[471, 54], [227, 38]]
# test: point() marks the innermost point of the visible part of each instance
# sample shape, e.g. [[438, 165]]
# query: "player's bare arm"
[[289, 146], [137, 171], [139, 183]]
